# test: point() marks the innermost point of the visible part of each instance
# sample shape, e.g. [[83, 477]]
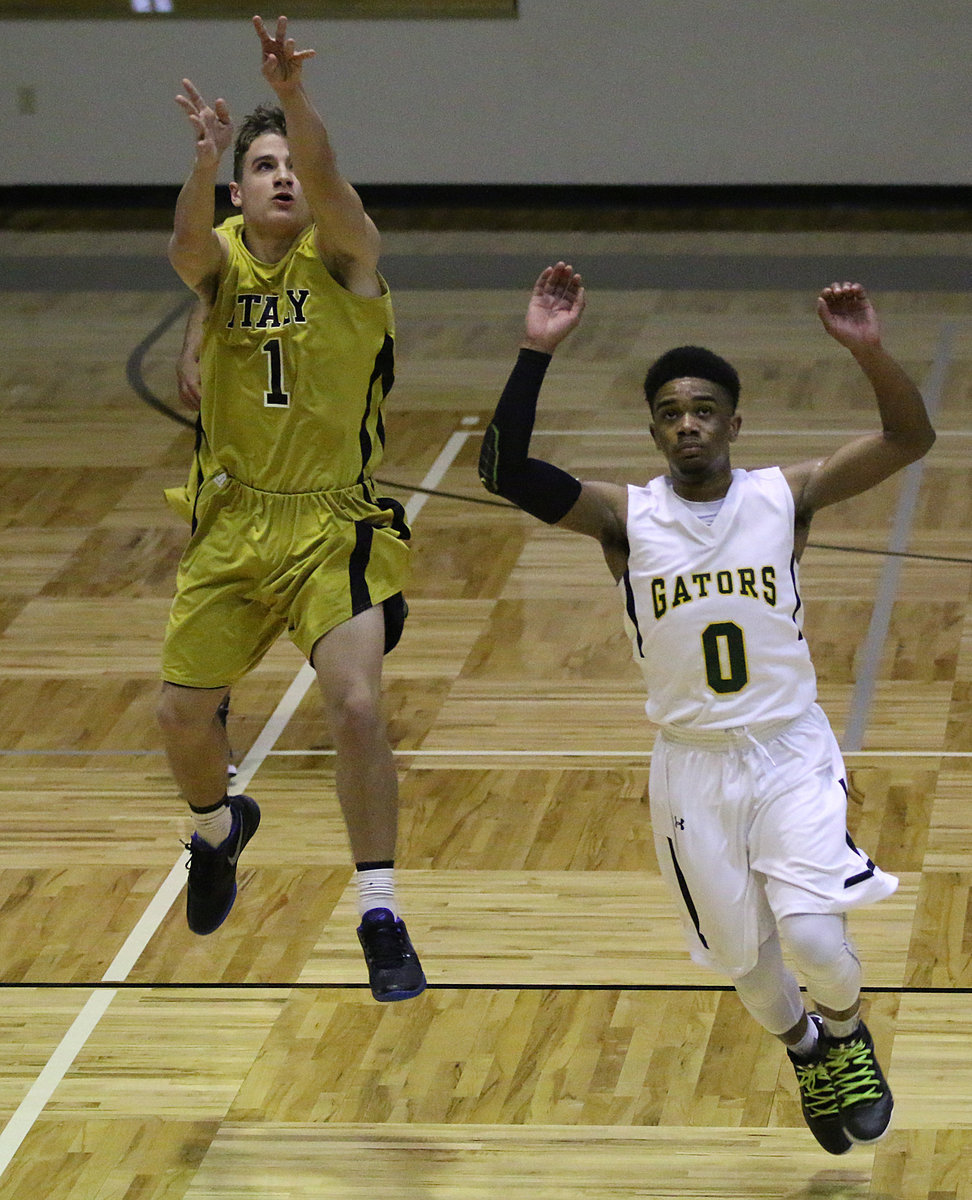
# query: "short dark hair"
[[265, 118], [691, 362]]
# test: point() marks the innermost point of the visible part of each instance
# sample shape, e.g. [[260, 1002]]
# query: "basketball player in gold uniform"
[[288, 534]]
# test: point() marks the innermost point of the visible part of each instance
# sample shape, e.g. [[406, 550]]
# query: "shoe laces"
[[854, 1072], [387, 943], [816, 1089], [199, 849]]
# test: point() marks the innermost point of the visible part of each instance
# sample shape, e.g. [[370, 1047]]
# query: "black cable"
[[133, 372], [412, 487], [133, 368], [943, 558]]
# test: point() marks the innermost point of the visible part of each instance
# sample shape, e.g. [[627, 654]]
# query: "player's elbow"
[[489, 467], [178, 250], [927, 441], [183, 262], [920, 449], [909, 448], [196, 265], [920, 443]]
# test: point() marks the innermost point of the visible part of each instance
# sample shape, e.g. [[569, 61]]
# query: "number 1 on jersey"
[[274, 396]]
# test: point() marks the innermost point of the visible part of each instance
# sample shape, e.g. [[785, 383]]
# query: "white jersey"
[[714, 611]]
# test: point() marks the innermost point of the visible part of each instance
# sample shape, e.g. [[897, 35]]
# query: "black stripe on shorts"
[[863, 876], [686, 894], [397, 510], [358, 565]]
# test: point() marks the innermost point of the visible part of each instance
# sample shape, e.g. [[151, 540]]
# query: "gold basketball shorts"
[[259, 564]]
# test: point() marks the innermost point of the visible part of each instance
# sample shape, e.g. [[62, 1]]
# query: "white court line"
[[97, 1004], [53, 1072], [872, 651]]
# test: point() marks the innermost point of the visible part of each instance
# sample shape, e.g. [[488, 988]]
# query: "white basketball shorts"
[[750, 826]]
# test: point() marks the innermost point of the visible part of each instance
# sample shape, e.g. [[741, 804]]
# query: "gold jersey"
[[295, 370]]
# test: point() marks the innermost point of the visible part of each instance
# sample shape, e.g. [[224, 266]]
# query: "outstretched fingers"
[[281, 58], [843, 298], [193, 96], [211, 123], [555, 307], [846, 311], [260, 26], [559, 283], [193, 103]]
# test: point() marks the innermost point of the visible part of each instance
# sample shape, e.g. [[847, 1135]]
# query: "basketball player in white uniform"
[[748, 790]]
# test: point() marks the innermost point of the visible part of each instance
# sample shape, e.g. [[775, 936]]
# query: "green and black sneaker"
[[818, 1099], [862, 1091]]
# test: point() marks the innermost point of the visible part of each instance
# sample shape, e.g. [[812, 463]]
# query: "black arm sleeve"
[[538, 487]]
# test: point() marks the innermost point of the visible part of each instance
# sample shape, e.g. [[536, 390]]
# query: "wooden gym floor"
[[566, 1046]]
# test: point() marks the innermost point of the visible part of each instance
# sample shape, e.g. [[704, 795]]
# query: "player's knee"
[[166, 711], [816, 941], [766, 980], [756, 989], [356, 718], [181, 712]]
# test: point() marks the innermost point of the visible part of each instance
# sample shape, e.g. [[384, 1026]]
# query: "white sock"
[[214, 824], [805, 1046], [376, 889], [841, 1029]]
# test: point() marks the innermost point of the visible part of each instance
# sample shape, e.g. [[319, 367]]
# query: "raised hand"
[[212, 124], [848, 315], [282, 62], [555, 307]]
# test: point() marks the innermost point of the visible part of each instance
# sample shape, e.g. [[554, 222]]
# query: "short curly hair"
[[691, 362], [265, 118]]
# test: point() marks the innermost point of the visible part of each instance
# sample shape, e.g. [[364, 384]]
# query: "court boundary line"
[[889, 580], [32, 1104], [883, 989]]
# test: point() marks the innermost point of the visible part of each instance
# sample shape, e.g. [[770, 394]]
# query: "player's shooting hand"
[[848, 315], [282, 61], [555, 307], [212, 124]]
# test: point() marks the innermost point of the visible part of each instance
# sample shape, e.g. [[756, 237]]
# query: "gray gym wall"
[[574, 91]]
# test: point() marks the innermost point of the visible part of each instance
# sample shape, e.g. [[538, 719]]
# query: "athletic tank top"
[[714, 612], [295, 369]]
